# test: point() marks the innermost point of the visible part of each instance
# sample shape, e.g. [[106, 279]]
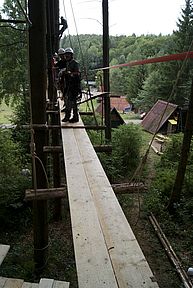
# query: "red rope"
[[172, 57]]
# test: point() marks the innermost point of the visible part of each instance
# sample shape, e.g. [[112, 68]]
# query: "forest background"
[[143, 85]]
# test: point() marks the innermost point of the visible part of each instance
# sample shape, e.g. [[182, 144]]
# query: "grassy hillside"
[[6, 113]]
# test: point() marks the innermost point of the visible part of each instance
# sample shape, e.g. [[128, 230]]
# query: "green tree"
[[12, 182], [183, 39], [14, 87], [13, 55]]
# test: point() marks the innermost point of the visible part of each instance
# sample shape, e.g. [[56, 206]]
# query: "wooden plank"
[[46, 283], [129, 264], [30, 285], [3, 252], [61, 284], [13, 283], [53, 149], [94, 267], [44, 194], [125, 188], [2, 281]]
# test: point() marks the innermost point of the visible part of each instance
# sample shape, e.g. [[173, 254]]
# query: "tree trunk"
[[177, 188]]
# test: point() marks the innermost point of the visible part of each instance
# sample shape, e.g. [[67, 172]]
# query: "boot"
[[65, 119], [63, 109], [74, 119]]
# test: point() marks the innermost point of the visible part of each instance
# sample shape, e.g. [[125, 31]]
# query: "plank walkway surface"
[[3, 251], [106, 250], [44, 283]]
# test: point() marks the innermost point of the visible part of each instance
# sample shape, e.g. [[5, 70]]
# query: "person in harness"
[[60, 67], [72, 89]]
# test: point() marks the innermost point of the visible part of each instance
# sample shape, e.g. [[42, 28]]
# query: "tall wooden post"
[[106, 71], [52, 47], [188, 132], [37, 59]]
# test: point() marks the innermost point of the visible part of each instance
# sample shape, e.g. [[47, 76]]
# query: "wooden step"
[[30, 285], [51, 283], [11, 283], [44, 283], [3, 251]]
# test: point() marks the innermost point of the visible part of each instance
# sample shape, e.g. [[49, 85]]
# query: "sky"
[[125, 16]]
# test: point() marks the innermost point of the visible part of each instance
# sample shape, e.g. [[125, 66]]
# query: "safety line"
[[171, 57]]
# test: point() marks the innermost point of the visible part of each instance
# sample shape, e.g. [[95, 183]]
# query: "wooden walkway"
[[106, 250], [44, 283], [20, 283], [3, 252]]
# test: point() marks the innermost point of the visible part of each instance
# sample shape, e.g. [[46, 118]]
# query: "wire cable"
[[24, 13]]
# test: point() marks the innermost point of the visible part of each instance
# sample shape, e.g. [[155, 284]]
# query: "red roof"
[[118, 102], [158, 115]]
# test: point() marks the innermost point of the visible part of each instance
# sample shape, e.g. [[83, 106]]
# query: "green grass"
[[6, 113], [129, 116]]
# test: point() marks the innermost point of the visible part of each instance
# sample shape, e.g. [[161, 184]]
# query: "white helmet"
[[69, 50], [61, 51]]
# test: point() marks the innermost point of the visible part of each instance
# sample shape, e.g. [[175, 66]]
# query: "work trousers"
[[71, 105]]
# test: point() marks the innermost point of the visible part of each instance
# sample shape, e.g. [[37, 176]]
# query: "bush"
[[161, 187], [126, 145], [125, 156], [12, 182], [19, 134]]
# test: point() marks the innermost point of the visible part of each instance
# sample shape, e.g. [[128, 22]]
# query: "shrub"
[[12, 182], [161, 187], [126, 144]]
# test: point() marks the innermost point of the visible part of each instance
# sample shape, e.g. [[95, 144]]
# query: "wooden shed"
[[163, 117], [116, 118]]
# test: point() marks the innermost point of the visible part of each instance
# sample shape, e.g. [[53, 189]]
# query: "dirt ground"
[[161, 267]]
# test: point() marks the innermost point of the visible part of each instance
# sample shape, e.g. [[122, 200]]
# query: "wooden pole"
[[52, 44], [37, 59], [106, 72], [188, 132]]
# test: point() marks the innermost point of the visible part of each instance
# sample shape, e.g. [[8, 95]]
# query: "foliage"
[[161, 187], [20, 134], [12, 182], [126, 144], [13, 56], [14, 87], [183, 38]]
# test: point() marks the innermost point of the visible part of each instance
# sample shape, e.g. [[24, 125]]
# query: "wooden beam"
[[52, 111], [103, 148], [45, 194], [14, 21], [127, 188], [64, 126], [93, 97], [3, 251], [88, 113], [51, 193], [52, 149]]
